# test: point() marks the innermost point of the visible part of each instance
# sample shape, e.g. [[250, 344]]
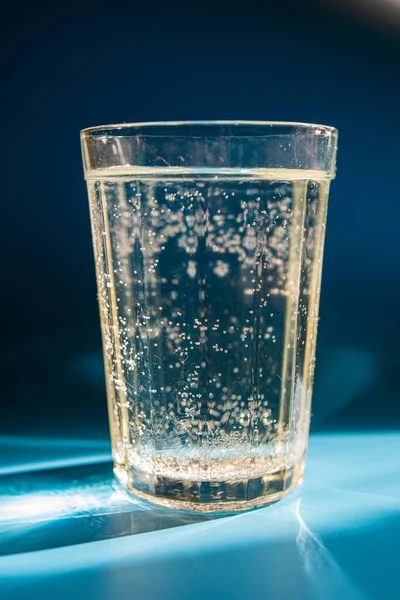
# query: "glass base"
[[212, 496]]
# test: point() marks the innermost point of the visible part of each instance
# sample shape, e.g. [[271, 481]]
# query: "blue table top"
[[338, 537]]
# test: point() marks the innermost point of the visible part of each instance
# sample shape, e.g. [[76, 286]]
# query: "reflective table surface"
[[68, 530]]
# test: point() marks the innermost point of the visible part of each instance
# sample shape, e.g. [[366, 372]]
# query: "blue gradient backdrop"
[[65, 69]]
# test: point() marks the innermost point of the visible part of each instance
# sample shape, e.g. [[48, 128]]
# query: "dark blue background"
[[65, 69]]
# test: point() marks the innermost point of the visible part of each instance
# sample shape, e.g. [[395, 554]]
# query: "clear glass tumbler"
[[208, 241]]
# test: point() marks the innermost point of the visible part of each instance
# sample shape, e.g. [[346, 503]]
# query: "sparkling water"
[[209, 286]]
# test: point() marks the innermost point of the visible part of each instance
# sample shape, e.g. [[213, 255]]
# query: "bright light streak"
[[34, 507]]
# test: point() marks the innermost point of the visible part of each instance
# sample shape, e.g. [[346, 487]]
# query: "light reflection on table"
[[338, 537]]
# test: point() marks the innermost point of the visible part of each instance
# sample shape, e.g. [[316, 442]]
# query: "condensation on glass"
[[208, 241]]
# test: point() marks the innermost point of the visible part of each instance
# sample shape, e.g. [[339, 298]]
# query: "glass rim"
[[113, 129]]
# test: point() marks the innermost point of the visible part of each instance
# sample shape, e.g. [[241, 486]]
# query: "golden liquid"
[[209, 288]]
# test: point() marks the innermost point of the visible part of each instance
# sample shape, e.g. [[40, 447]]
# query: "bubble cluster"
[[208, 292]]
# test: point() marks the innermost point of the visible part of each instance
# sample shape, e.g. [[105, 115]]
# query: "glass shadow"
[[61, 507]]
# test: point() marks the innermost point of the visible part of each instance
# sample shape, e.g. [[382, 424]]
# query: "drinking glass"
[[208, 241]]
